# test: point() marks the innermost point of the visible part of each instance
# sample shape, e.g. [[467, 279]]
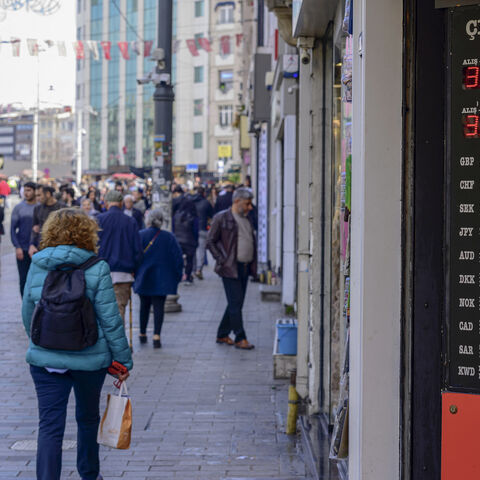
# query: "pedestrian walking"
[[139, 200], [70, 237], [119, 246], [158, 274], [47, 205], [185, 228], [131, 211], [20, 230], [231, 240], [224, 198], [87, 207], [205, 213]]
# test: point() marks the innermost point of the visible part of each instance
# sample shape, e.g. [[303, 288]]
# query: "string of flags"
[[103, 49]]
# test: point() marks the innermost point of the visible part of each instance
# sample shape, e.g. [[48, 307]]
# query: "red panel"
[[460, 436]]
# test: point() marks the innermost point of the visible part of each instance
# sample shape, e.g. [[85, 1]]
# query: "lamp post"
[[163, 98]]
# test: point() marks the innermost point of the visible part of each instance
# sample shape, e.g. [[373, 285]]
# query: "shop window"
[[198, 140], [198, 74], [225, 80], [199, 8], [198, 107], [225, 115]]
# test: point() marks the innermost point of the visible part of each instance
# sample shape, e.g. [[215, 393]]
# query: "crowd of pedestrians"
[[116, 238]]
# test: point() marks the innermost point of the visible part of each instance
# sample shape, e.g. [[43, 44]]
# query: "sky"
[[18, 75]]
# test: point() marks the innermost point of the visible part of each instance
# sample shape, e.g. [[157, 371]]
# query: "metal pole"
[[36, 126], [163, 98], [79, 146]]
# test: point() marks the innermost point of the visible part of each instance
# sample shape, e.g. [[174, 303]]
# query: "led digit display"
[[471, 78], [470, 126]]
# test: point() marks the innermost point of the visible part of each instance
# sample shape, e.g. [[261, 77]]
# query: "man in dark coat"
[[205, 213], [231, 239], [224, 199], [120, 246], [185, 228], [131, 211]]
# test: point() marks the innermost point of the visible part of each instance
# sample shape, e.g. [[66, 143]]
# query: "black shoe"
[[142, 338], [157, 343]]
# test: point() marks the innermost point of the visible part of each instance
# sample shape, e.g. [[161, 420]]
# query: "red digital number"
[[471, 77], [470, 126]]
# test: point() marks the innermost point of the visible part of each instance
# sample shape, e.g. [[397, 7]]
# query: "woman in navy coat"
[[158, 275]]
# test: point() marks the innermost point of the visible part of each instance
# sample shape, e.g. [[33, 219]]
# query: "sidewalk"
[[201, 410]]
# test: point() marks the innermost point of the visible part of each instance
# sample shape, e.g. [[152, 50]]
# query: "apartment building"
[[114, 110]]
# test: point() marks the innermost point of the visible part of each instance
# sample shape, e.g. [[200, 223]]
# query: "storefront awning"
[[312, 17]]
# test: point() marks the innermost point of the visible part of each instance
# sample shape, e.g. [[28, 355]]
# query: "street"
[[200, 410]]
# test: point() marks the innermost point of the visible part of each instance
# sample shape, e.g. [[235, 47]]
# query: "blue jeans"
[[53, 390], [235, 290]]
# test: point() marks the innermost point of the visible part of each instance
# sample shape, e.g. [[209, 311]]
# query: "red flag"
[[124, 149], [123, 46], [205, 44], [239, 39], [147, 48], [192, 47], [225, 45], [106, 47], [79, 50]]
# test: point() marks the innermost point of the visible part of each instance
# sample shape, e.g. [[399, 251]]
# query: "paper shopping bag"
[[115, 429]]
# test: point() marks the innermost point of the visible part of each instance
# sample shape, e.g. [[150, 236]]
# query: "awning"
[[224, 4], [313, 17]]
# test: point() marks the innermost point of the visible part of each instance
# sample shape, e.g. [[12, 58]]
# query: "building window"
[[225, 80], [198, 107], [198, 74], [199, 8], [198, 140], [225, 115], [225, 14]]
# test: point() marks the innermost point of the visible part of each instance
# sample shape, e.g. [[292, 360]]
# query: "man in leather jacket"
[[231, 240]]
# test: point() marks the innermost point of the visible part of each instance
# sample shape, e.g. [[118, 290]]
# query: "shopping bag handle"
[[122, 388]]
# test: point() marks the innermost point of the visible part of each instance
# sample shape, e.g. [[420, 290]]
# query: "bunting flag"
[[147, 48], [79, 50], [205, 44], [107, 47], [62, 48], [225, 48], [15, 46], [123, 46], [192, 46], [93, 48], [239, 38], [136, 47], [32, 47]]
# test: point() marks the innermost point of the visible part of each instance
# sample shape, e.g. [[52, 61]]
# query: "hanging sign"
[[224, 151]]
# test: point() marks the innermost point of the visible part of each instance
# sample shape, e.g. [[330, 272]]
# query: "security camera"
[[158, 55], [304, 56], [145, 79]]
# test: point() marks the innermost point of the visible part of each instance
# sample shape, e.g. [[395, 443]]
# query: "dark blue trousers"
[[23, 266], [53, 390], [235, 290]]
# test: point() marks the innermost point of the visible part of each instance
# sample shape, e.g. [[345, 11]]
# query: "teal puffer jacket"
[[112, 343]]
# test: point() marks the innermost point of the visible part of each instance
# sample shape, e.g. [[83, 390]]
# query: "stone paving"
[[201, 410]]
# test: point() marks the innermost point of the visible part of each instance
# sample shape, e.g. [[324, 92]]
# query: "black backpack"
[[64, 318]]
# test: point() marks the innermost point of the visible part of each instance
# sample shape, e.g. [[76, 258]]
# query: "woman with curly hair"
[[69, 236]]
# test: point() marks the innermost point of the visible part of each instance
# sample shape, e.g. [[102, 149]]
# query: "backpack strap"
[[89, 263], [83, 266]]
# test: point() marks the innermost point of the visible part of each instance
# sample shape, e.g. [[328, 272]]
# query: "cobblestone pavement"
[[201, 410]]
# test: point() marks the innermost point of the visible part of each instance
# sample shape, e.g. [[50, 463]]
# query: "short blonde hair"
[[70, 226]]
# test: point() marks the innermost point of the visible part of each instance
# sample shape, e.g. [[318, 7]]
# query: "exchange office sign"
[[463, 320]]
